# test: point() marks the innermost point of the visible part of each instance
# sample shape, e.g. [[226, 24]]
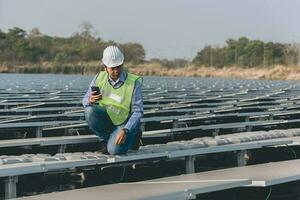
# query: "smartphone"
[[95, 88]]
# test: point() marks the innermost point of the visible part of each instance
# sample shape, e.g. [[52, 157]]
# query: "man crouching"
[[113, 104]]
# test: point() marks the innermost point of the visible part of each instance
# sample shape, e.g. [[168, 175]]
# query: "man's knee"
[[92, 112]]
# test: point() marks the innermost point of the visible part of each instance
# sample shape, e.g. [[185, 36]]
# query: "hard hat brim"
[[111, 65]]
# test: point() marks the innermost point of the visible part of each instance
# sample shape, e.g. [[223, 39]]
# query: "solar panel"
[[175, 108], [188, 186], [150, 190]]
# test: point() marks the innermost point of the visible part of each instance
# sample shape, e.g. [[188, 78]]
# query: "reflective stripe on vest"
[[116, 102]]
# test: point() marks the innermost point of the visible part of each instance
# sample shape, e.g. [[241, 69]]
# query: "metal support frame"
[[247, 119], [175, 125], [216, 132], [190, 164], [38, 132], [62, 148], [241, 158], [67, 131], [248, 128], [11, 187]]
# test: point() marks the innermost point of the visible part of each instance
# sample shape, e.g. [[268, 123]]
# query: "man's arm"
[[85, 100]]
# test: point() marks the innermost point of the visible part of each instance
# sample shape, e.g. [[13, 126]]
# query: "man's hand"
[[121, 137], [94, 98]]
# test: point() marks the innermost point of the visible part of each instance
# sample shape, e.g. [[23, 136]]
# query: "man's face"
[[114, 72]]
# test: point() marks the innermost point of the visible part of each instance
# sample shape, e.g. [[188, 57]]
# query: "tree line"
[[18, 47], [248, 53]]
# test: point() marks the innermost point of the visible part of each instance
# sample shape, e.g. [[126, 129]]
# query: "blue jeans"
[[100, 123]]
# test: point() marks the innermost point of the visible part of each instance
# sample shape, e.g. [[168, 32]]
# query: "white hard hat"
[[112, 56]]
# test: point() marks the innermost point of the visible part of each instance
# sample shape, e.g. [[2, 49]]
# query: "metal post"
[[67, 131], [247, 119], [11, 187], [241, 158], [215, 132], [38, 132], [62, 148], [175, 125], [190, 164]]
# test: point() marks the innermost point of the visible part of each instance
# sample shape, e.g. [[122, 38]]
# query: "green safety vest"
[[116, 102]]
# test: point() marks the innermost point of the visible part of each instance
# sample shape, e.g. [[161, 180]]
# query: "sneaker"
[[138, 141], [103, 148]]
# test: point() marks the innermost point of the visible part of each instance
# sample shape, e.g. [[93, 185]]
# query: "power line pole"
[[236, 56], [264, 55], [211, 57]]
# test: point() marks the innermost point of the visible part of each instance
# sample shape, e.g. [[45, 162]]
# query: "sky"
[[166, 28]]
